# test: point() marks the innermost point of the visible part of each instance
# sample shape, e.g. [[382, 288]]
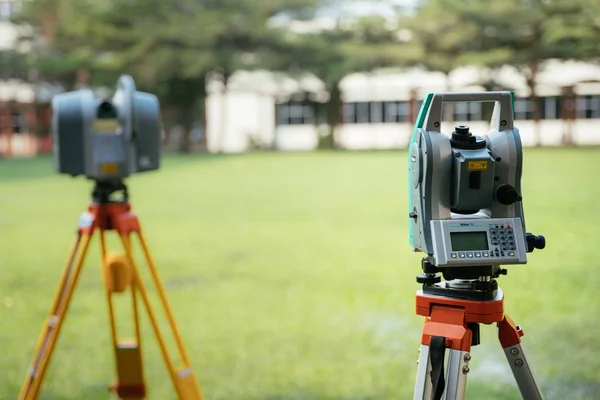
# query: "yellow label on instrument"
[[106, 126], [478, 165], [111, 168]]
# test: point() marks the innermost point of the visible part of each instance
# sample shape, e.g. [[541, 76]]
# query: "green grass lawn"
[[291, 277]]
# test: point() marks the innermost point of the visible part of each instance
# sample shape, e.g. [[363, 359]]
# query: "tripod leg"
[[117, 274], [445, 329], [49, 335], [183, 379], [456, 378], [510, 339], [423, 384], [457, 374]]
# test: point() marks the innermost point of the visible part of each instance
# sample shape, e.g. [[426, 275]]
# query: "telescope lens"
[[106, 110]]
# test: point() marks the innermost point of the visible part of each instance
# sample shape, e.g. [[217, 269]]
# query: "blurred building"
[[24, 103], [267, 110], [379, 108]]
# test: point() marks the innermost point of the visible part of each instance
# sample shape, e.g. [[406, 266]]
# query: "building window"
[[295, 113], [523, 109], [550, 107], [348, 113], [397, 111], [7, 9], [376, 112], [362, 113], [588, 107], [468, 111], [18, 122]]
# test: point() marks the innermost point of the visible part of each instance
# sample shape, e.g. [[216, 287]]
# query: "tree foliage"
[[170, 46], [360, 45], [521, 33]]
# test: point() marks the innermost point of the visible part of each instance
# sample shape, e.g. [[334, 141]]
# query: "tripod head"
[[104, 192], [465, 198]]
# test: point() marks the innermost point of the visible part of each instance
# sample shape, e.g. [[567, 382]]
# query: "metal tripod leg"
[[509, 335], [183, 378], [423, 384], [456, 377], [58, 312], [130, 383]]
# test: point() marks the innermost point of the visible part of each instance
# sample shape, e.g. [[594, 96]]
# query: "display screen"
[[465, 241]]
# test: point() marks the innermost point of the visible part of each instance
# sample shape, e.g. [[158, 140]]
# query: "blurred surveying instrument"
[[107, 141], [466, 216]]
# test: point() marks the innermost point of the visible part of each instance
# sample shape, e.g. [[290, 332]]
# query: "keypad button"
[[453, 255], [511, 253], [469, 255], [477, 254], [461, 255], [485, 254]]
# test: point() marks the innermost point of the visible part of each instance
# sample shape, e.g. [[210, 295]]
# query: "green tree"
[[444, 40], [169, 47], [522, 33], [62, 39], [360, 45]]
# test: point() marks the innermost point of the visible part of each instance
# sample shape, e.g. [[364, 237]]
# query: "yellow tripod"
[[121, 275]]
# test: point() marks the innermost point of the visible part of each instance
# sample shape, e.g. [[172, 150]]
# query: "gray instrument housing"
[[434, 168], [82, 147]]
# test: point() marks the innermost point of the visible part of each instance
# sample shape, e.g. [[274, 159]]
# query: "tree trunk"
[[203, 139], [334, 114], [531, 81], [223, 115], [187, 120], [448, 108], [568, 114]]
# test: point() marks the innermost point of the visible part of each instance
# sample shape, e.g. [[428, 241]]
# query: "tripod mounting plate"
[[476, 311], [475, 290]]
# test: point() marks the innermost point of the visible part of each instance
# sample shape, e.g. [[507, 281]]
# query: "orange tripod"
[[121, 275], [453, 324]]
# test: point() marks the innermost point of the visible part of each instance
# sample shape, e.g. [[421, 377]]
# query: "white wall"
[[296, 138], [8, 35], [233, 118], [22, 145], [373, 136], [249, 108], [393, 136]]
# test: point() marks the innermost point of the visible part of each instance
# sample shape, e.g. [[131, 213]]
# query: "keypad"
[[502, 240]]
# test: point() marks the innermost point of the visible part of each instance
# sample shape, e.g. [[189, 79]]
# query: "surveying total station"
[[106, 141], [466, 216]]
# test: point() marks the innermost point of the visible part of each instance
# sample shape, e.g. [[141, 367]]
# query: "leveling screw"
[[467, 357], [514, 352], [465, 370]]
